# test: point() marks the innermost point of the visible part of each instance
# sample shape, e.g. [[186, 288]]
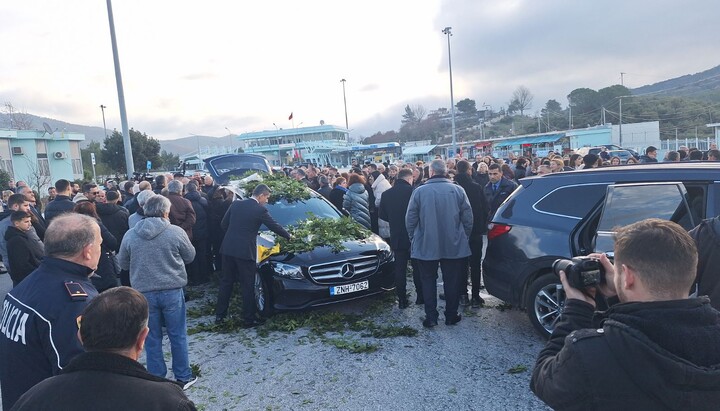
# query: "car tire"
[[263, 296], [545, 302]]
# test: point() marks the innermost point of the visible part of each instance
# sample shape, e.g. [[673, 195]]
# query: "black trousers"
[[198, 269], [453, 272], [475, 262], [400, 269], [243, 271]]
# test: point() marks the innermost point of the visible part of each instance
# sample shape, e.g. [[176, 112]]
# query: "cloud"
[[369, 87], [198, 76]]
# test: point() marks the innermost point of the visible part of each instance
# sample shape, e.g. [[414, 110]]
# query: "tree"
[[583, 100], [5, 178], [522, 97], [168, 161], [144, 148], [100, 167], [19, 120], [409, 117], [466, 106]]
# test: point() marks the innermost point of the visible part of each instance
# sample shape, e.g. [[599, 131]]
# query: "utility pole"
[[622, 78], [620, 142], [538, 118], [102, 107], [121, 96], [548, 119], [602, 116], [345, 102], [446, 31], [570, 124]]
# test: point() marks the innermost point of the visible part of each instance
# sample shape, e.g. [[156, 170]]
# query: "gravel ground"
[[463, 367]]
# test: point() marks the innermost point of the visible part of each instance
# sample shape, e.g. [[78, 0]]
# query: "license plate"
[[349, 288]]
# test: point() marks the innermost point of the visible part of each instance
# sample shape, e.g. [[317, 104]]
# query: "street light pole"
[[446, 31], [231, 142], [347, 127], [121, 96], [102, 107]]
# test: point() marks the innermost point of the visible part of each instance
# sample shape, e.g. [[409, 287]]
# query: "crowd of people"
[[78, 259]]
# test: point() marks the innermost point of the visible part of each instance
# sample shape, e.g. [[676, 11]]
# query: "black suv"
[[573, 213]]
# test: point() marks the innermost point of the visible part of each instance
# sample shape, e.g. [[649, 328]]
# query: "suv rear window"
[[572, 201]]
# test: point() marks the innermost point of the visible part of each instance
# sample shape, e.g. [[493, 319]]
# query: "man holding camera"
[[656, 349]]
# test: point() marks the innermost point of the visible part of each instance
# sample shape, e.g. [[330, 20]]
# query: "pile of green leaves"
[[282, 187], [315, 232]]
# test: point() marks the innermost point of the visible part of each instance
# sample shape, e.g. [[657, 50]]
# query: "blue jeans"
[[167, 305]]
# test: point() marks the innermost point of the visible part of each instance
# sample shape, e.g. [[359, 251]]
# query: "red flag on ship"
[[290, 118]]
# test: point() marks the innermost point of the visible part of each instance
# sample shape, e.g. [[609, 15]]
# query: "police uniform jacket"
[[108, 382], [38, 330], [659, 355]]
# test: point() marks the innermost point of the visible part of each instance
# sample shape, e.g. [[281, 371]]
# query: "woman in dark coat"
[[338, 192], [198, 269], [106, 275], [24, 254]]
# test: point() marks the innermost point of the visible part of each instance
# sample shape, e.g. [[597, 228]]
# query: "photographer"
[[656, 349]]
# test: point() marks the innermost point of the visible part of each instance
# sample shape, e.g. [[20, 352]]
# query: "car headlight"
[[385, 253], [290, 271]]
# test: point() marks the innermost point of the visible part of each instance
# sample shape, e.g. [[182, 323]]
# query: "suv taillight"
[[496, 230]]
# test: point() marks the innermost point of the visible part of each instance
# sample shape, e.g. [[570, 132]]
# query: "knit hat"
[[79, 198]]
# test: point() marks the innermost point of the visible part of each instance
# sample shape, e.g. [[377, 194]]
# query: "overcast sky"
[[194, 67]]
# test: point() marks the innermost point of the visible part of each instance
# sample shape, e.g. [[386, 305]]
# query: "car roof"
[[640, 171]]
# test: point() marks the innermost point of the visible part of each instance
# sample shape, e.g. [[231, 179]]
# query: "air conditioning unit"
[[18, 151], [59, 155]]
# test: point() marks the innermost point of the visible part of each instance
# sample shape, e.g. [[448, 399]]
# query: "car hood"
[[371, 246]]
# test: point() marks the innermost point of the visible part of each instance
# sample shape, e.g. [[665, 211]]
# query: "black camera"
[[581, 272]]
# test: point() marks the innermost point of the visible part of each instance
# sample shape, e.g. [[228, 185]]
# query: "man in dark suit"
[[393, 206], [239, 250], [498, 189], [480, 212]]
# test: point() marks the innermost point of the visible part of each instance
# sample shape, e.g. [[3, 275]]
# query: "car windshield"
[[287, 214]]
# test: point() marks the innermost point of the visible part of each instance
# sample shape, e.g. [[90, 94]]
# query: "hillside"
[[704, 85], [92, 133]]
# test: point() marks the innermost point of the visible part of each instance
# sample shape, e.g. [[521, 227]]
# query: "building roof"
[[417, 150]]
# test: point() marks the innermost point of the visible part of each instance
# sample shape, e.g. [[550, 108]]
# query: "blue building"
[[319, 144], [40, 158]]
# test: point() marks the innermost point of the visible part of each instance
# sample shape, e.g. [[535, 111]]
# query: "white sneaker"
[[188, 384]]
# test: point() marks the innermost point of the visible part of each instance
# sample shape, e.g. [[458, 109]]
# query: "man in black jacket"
[[393, 206], [62, 202], [655, 350], [480, 212], [108, 375], [239, 250], [114, 217]]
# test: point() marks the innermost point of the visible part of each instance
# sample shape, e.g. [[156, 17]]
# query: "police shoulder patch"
[[76, 291]]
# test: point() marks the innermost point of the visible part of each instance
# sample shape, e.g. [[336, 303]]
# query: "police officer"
[[38, 331]]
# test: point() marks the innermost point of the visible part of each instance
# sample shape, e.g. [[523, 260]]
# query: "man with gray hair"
[[38, 336], [156, 252], [182, 213], [439, 221]]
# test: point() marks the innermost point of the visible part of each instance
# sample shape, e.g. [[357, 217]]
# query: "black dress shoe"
[[477, 302], [429, 323], [254, 323], [453, 320], [403, 303]]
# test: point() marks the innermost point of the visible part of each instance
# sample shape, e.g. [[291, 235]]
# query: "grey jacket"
[[156, 252], [439, 221], [355, 202]]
